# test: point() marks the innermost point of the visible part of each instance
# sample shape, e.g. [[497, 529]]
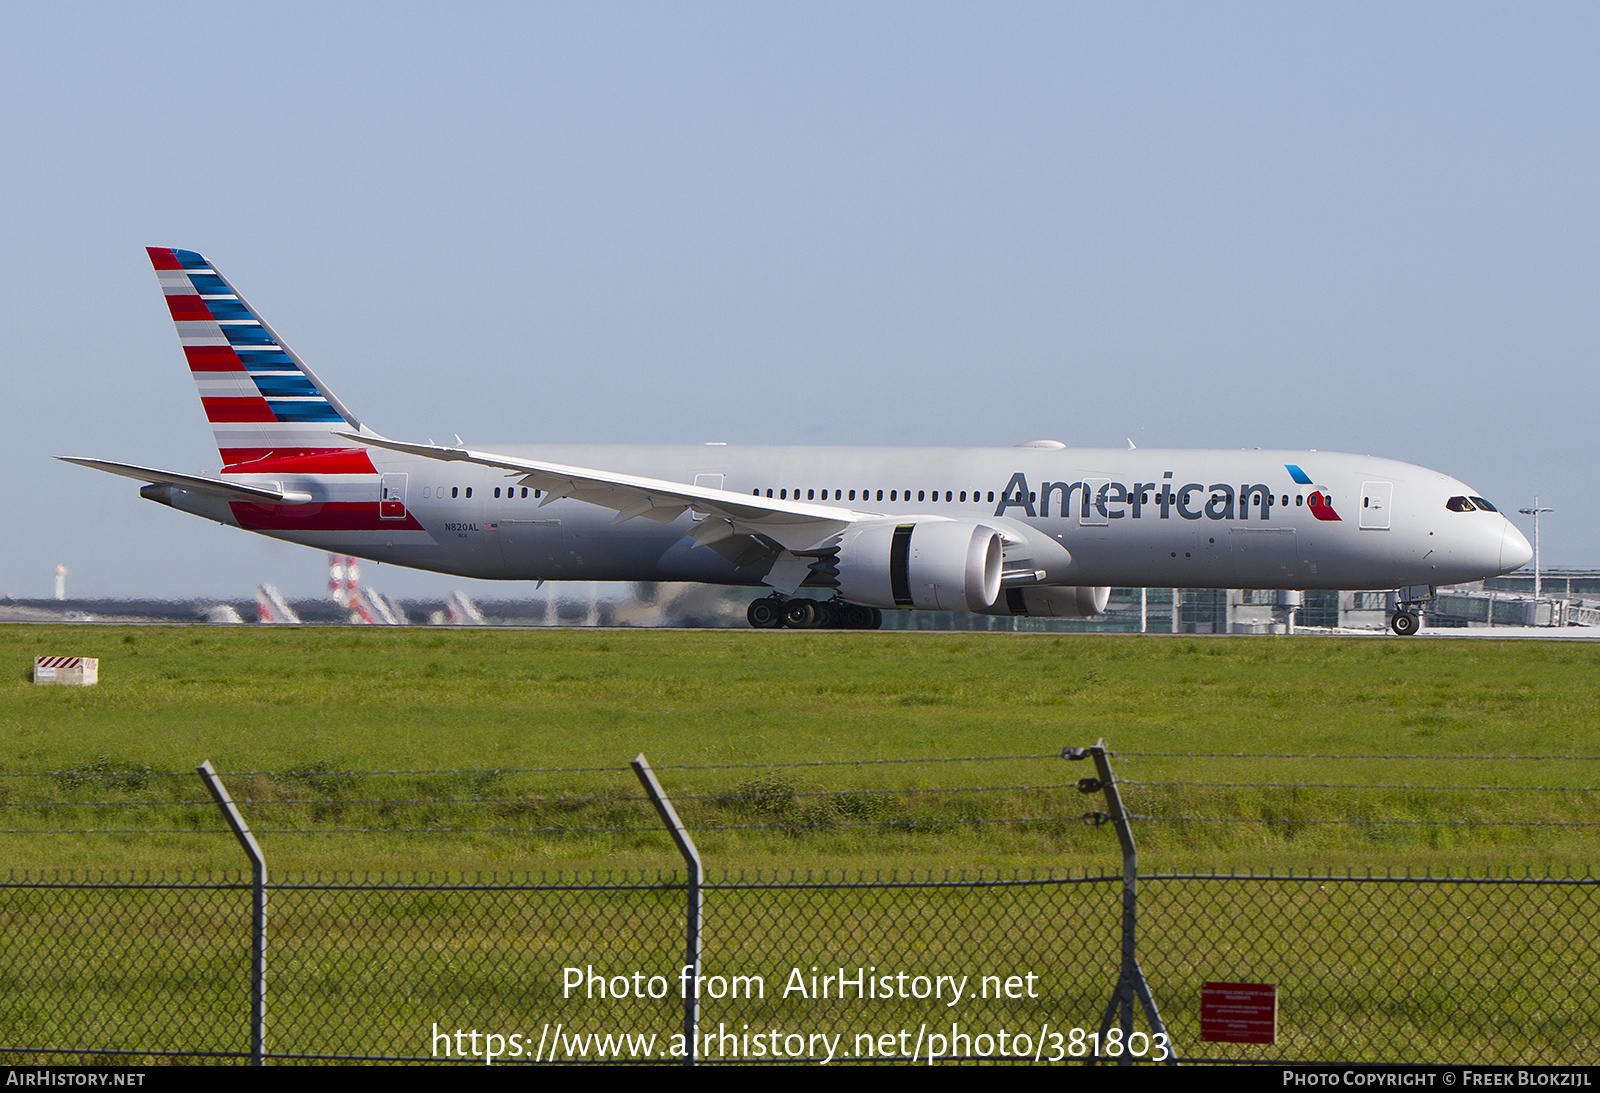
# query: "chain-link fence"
[[1368, 968]]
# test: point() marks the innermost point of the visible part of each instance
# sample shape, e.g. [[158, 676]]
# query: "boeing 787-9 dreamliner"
[[1039, 529]]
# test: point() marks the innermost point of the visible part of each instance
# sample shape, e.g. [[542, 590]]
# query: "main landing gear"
[[772, 612], [1405, 623]]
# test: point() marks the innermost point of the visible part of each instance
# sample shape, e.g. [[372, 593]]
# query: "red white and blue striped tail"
[[262, 400]]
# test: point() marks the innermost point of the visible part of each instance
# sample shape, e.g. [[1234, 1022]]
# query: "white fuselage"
[[1148, 517]]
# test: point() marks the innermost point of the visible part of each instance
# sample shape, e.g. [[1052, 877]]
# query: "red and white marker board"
[[78, 671]]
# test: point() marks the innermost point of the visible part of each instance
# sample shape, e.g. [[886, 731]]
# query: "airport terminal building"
[[1567, 597]]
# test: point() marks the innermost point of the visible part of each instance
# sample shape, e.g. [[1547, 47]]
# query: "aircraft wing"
[[795, 526], [233, 491]]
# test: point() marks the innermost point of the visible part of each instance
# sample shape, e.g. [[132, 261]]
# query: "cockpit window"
[[1458, 504], [1484, 505]]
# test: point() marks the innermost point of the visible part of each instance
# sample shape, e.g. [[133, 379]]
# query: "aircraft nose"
[[1514, 549]]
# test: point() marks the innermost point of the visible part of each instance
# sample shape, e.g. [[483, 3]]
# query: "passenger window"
[[811, 495], [469, 491], [880, 495], [497, 493], [947, 495], [852, 495], [454, 490], [920, 494]]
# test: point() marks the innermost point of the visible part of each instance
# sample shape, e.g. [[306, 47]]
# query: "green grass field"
[[309, 703], [504, 750]]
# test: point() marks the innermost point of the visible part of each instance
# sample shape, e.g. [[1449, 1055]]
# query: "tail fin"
[[262, 400]]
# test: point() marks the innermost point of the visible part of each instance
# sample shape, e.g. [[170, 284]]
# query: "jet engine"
[[938, 565], [1053, 602]]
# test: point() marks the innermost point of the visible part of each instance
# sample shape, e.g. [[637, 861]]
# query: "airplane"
[[1040, 529]]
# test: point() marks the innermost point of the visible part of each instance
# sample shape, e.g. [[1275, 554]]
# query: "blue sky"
[[1365, 228]]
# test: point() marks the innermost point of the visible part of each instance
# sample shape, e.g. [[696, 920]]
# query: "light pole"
[[1534, 512]]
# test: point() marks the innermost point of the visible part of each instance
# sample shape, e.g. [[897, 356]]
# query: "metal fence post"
[[1130, 977], [691, 857], [258, 924]]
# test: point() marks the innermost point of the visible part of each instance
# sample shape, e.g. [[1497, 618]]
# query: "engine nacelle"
[[936, 565], [1053, 602]]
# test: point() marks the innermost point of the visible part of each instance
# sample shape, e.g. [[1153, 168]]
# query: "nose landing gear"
[[1405, 610]]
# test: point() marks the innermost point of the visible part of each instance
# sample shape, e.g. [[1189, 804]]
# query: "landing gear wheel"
[[765, 613], [857, 617], [800, 614], [1404, 623], [828, 615]]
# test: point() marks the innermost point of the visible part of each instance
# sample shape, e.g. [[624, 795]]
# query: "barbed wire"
[[794, 765], [622, 768], [801, 824], [1358, 785], [1093, 819], [97, 774], [860, 762], [761, 803], [1329, 755], [1286, 820], [117, 831], [745, 791], [104, 804], [731, 795]]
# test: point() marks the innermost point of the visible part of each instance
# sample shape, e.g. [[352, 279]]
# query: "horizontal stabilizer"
[[233, 491]]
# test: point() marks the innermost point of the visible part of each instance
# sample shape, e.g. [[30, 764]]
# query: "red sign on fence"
[[1239, 1013]]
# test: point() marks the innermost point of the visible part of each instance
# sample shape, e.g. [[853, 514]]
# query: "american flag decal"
[[258, 395]]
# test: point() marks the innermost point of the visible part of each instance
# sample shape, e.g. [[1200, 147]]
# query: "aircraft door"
[[392, 497], [1376, 499]]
